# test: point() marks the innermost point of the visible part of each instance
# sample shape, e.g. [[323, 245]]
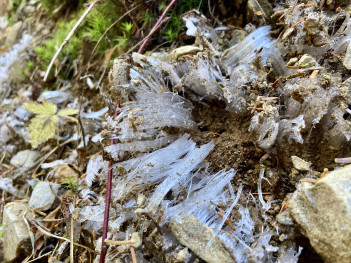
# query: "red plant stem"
[[109, 175], [107, 202], [155, 26]]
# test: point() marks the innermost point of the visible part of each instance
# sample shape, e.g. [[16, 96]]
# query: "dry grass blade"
[[57, 237]]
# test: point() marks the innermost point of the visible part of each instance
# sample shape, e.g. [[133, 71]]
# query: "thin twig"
[[57, 237], [119, 242], [42, 256], [141, 41], [71, 250], [155, 26], [69, 37], [132, 251], [48, 155], [107, 201]]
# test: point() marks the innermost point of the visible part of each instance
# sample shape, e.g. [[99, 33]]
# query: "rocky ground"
[[231, 145]]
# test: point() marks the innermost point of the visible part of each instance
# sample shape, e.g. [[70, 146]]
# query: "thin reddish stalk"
[[107, 202], [155, 26], [109, 176]]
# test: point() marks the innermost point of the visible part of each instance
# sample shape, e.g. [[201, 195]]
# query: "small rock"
[[12, 35], [195, 235], [284, 218], [288, 32], [16, 235], [311, 25], [307, 61], [141, 200], [28, 10], [254, 6], [3, 23], [347, 59], [182, 256], [25, 159], [300, 164], [323, 212], [43, 197], [181, 51], [137, 239], [292, 61], [347, 83]]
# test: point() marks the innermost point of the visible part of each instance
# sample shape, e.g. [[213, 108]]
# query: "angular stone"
[[264, 6], [25, 159], [28, 10], [300, 164], [17, 242], [307, 61], [195, 235], [43, 196], [323, 212], [12, 35], [347, 59]]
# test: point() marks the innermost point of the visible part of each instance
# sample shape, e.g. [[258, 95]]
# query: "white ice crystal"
[[11, 60]]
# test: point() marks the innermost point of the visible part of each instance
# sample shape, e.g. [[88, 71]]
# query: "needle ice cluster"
[[11, 60]]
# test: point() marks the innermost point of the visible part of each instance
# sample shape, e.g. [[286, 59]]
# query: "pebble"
[[12, 35], [195, 235], [300, 164], [43, 197], [347, 59], [323, 213], [28, 10], [25, 159], [307, 61], [16, 235]]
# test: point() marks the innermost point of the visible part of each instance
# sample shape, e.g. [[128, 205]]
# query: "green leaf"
[[65, 112], [47, 108], [42, 128], [44, 125]]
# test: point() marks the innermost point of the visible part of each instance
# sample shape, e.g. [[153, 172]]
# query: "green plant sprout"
[[124, 40], [71, 183]]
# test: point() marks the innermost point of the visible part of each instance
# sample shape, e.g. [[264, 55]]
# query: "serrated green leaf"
[[42, 128], [65, 112], [45, 108]]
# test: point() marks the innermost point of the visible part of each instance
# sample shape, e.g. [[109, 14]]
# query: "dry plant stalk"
[[81, 19]]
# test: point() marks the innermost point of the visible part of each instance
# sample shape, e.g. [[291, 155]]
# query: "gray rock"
[[347, 83], [347, 59], [12, 35], [311, 25], [323, 212], [43, 198], [307, 61], [195, 235], [28, 10], [300, 164], [284, 218], [264, 6], [25, 158], [17, 239]]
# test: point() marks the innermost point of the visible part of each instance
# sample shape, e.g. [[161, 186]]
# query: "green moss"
[[175, 25], [124, 40], [30, 66], [51, 5], [48, 50]]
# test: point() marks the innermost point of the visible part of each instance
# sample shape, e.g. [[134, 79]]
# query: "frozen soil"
[[214, 119]]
